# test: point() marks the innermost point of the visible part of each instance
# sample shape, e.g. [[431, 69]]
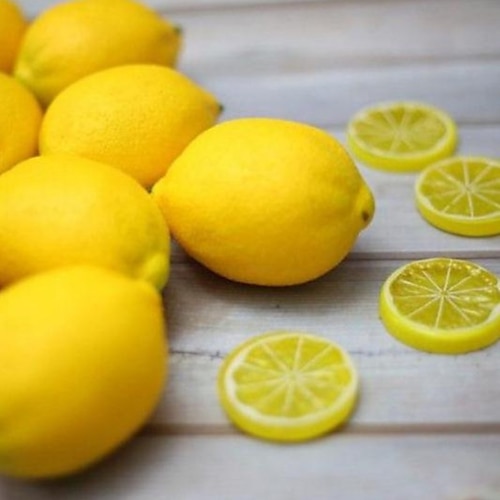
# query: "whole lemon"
[[78, 37], [265, 201], [12, 28], [84, 362], [20, 119], [135, 117], [59, 210]]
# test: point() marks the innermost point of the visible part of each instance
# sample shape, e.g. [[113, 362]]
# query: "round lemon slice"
[[401, 136], [461, 195], [442, 305], [288, 386]]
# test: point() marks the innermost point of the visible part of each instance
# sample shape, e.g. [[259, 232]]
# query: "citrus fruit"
[[59, 210], [78, 37], [461, 195], [84, 362], [265, 201], [442, 305], [12, 28], [137, 118], [20, 118], [401, 136], [288, 386]]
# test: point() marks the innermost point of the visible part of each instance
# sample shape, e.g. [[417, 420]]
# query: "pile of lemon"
[[107, 150]]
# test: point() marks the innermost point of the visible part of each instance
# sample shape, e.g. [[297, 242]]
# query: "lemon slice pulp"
[[401, 136], [461, 195], [288, 386], [442, 305]]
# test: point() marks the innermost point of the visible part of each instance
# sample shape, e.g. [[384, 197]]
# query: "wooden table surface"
[[427, 427]]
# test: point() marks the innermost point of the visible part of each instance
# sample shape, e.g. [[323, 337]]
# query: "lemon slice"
[[288, 386], [401, 136], [461, 195], [442, 305]]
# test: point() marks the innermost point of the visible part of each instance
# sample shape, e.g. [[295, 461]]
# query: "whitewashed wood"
[[34, 7], [469, 91], [387, 467], [208, 316], [315, 36]]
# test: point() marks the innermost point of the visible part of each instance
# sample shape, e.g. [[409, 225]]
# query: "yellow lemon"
[[20, 118], [79, 37], [12, 28], [135, 117], [60, 210], [265, 201], [84, 362]]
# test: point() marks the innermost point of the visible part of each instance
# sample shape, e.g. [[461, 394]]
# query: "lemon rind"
[[403, 162], [435, 340], [284, 429]]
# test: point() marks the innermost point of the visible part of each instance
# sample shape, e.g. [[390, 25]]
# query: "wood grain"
[[445, 467]]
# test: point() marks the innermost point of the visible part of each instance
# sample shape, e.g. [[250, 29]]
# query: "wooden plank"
[[470, 92], [326, 34], [34, 7], [413, 467], [208, 316], [315, 36]]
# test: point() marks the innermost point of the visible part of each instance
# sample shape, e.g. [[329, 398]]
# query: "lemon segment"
[[288, 386], [401, 136], [461, 195], [442, 305]]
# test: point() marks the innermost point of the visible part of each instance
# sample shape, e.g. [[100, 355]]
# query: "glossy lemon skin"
[[20, 121], [60, 210], [84, 360], [265, 201], [137, 118], [73, 39]]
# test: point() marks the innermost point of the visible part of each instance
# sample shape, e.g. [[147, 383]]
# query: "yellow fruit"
[[265, 201], [12, 28], [20, 118], [461, 195], [288, 386], [61, 210], [137, 118], [78, 37], [84, 362], [401, 136], [442, 305]]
